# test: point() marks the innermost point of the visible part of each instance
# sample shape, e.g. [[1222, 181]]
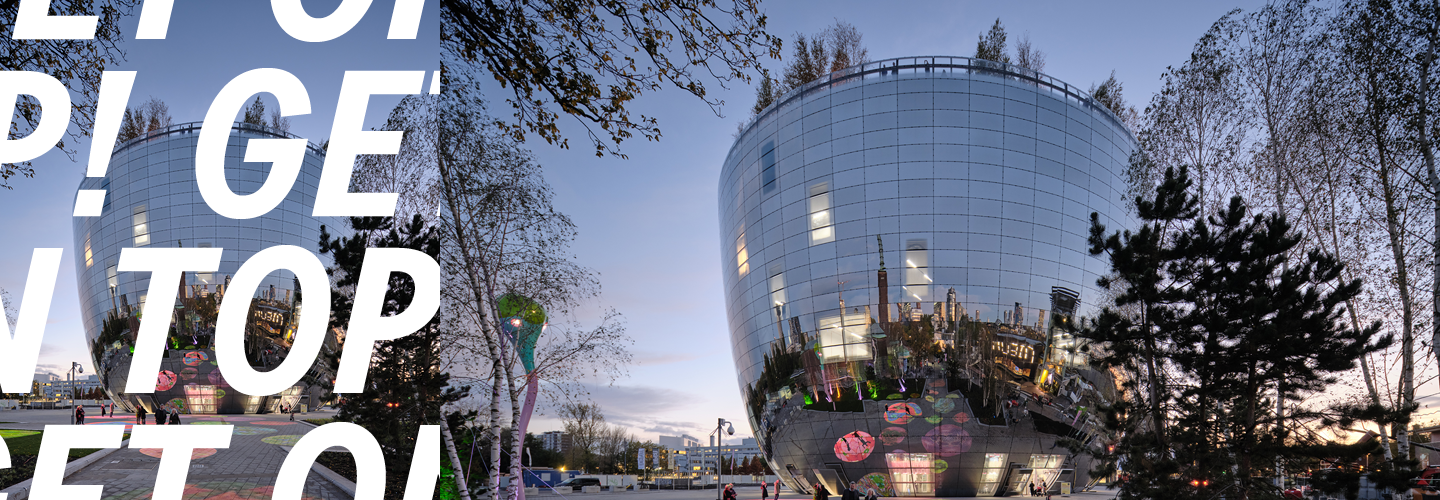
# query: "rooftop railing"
[[194, 128], [939, 64]]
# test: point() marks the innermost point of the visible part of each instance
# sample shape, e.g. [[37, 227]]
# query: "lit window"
[[141, 227], [89, 256], [777, 289], [742, 256], [990, 475], [844, 337], [912, 473], [917, 271], [822, 229]]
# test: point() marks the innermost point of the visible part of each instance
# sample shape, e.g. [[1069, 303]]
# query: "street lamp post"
[[73, 367], [729, 429]]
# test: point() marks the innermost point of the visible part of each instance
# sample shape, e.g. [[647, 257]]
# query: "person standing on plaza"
[[821, 493], [851, 493], [777, 489], [102, 409], [80, 415], [174, 416], [140, 414], [729, 492], [764, 490], [870, 493]]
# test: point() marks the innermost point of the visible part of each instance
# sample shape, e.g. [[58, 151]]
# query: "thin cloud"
[[655, 359]]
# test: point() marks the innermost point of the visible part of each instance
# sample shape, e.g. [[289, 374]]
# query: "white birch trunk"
[[460, 479]]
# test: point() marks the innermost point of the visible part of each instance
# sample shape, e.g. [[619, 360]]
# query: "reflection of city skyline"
[[151, 201], [907, 256]]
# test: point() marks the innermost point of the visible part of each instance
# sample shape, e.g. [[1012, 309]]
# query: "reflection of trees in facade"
[[922, 345], [159, 206], [959, 354]]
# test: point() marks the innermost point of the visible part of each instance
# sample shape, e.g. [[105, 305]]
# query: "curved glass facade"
[[152, 201], [902, 244]]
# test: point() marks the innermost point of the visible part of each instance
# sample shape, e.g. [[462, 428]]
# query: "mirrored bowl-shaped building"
[[903, 246], [152, 201]]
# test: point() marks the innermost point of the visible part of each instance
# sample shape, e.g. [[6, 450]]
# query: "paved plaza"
[[245, 470], [248, 468]]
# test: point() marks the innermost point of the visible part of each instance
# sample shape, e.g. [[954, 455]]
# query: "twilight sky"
[[648, 225]]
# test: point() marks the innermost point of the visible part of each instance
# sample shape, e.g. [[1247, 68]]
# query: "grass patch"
[[339, 461], [320, 421], [24, 450], [343, 464]]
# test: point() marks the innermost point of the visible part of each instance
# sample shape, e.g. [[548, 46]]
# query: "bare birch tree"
[[504, 236]]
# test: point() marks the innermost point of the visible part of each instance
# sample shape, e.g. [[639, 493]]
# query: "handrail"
[[193, 127], [928, 63]]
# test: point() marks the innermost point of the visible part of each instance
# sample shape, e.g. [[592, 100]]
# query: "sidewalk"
[[245, 470]]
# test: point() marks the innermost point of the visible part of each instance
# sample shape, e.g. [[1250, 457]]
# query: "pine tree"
[[404, 388], [803, 68], [766, 94], [1211, 315], [992, 45], [255, 113], [131, 125], [837, 47]]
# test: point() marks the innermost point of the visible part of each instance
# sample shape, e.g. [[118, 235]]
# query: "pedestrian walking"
[[80, 415], [777, 489], [821, 493], [293, 409], [851, 493], [102, 410], [174, 416], [764, 490], [870, 493], [140, 414], [729, 492]]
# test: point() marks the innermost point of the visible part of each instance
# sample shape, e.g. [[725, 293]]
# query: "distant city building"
[[55, 387], [702, 459], [556, 441], [678, 442]]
